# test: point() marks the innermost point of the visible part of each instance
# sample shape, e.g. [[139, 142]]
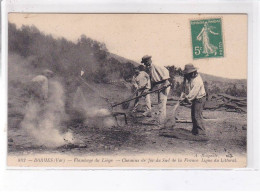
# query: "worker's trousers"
[[196, 116], [163, 95], [148, 104]]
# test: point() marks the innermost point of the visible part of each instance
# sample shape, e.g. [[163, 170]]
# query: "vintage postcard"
[[127, 90]]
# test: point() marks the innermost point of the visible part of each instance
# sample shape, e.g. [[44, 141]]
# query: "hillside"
[[123, 60], [67, 59], [212, 78]]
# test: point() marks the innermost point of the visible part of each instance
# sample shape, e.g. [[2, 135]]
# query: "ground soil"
[[226, 133]]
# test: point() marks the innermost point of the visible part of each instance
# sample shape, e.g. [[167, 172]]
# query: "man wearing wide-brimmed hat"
[[197, 97], [159, 76]]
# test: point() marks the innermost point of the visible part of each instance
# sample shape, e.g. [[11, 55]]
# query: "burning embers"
[[43, 119]]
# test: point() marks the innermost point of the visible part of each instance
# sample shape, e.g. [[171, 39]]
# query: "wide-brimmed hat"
[[189, 68], [145, 58]]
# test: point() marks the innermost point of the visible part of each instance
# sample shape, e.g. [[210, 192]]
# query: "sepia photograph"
[[127, 90]]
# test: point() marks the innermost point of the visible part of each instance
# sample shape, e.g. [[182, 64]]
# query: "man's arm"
[[194, 91]]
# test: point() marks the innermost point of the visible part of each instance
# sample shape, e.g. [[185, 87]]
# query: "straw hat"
[[189, 68]]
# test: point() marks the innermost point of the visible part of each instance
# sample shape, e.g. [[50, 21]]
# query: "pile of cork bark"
[[227, 103], [220, 101]]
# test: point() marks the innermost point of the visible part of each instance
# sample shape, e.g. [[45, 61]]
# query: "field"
[[77, 121], [226, 133]]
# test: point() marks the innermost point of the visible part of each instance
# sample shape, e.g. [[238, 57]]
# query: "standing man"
[[39, 86], [159, 76], [197, 97], [36, 107], [142, 84]]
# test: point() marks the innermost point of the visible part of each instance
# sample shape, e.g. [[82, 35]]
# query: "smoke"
[[91, 109], [99, 117], [43, 119], [99, 112]]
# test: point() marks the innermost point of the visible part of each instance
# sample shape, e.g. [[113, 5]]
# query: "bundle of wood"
[[219, 102], [226, 102]]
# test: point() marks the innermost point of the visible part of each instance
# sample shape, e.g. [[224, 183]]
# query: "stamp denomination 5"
[[207, 38]]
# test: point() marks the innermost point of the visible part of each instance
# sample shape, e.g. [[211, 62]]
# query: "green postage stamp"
[[207, 38]]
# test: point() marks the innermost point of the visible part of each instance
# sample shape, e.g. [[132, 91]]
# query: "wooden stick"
[[144, 94]]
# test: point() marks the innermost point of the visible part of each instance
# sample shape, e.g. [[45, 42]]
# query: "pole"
[[144, 94]]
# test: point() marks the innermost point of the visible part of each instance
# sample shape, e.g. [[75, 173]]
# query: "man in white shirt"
[[39, 86], [197, 97], [159, 76], [142, 84]]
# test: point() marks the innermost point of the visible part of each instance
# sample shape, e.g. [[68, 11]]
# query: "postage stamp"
[[207, 38]]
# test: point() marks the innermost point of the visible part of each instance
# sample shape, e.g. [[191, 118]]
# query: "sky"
[[166, 37]]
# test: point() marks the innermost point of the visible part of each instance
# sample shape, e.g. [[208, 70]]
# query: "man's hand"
[[182, 97], [187, 101]]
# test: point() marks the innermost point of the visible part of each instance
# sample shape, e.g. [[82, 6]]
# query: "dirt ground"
[[226, 132]]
